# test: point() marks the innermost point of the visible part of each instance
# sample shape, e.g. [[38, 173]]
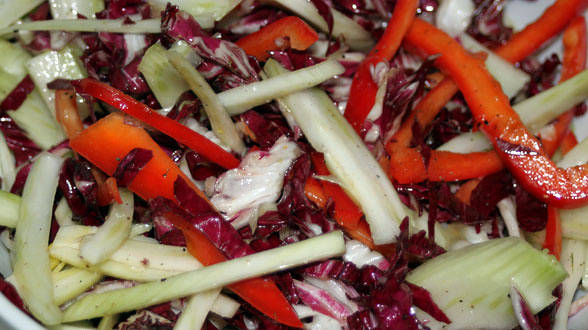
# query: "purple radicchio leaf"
[[423, 300], [321, 301], [9, 291], [131, 165], [487, 23], [325, 11], [18, 95], [179, 25], [22, 147], [267, 128], [526, 319], [491, 190], [203, 217], [78, 186], [531, 213], [200, 167]]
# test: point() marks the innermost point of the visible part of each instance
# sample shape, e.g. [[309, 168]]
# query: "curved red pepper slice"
[[300, 36], [553, 20], [517, 147], [170, 127], [363, 88]]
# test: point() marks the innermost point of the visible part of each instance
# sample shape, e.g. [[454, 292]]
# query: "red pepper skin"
[[520, 151], [300, 36], [170, 127], [553, 20], [363, 88], [553, 233], [110, 139], [261, 293], [574, 62]]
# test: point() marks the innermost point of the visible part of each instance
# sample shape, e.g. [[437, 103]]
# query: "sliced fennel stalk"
[[86, 25], [11, 10], [31, 263], [7, 165], [471, 285], [134, 260], [215, 276], [112, 233], [220, 121], [36, 120], [347, 158], [48, 66], [511, 78], [238, 100], [71, 8], [535, 112], [9, 209], [167, 84], [573, 258], [163, 79], [71, 282]]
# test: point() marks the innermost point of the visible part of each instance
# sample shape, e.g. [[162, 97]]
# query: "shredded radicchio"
[[22, 147], [131, 165], [179, 25]]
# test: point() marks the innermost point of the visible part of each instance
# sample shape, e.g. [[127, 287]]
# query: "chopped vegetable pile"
[[276, 164]]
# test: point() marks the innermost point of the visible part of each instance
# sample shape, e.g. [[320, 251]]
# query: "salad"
[[273, 164]]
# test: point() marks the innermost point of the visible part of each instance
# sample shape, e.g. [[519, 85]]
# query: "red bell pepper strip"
[[261, 293], [363, 88], [464, 193], [517, 147], [553, 20], [568, 143], [553, 234], [66, 112], [313, 190], [574, 62], [408, 165], [110, 139], [170, 127], [347, 213], [270, 37]]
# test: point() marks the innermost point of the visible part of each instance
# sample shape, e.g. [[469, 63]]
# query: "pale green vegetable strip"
[[87, 25], [37, 121], [107, 322], [220, 121], [238, 100], [63, 214], [352, 33], [12, 10], [61, 9], [72, 282], [12, 66], [163, 79], [215, 9], [134, 260], [471, 285], [573, 258], [347, 157], [112, 233], [535, 112], [511, 78], [225, 306], [31, 263], [7, 165], [83, 325], [196, 310], [215, 276], [52, 65], [9, 209], [574, 222]]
